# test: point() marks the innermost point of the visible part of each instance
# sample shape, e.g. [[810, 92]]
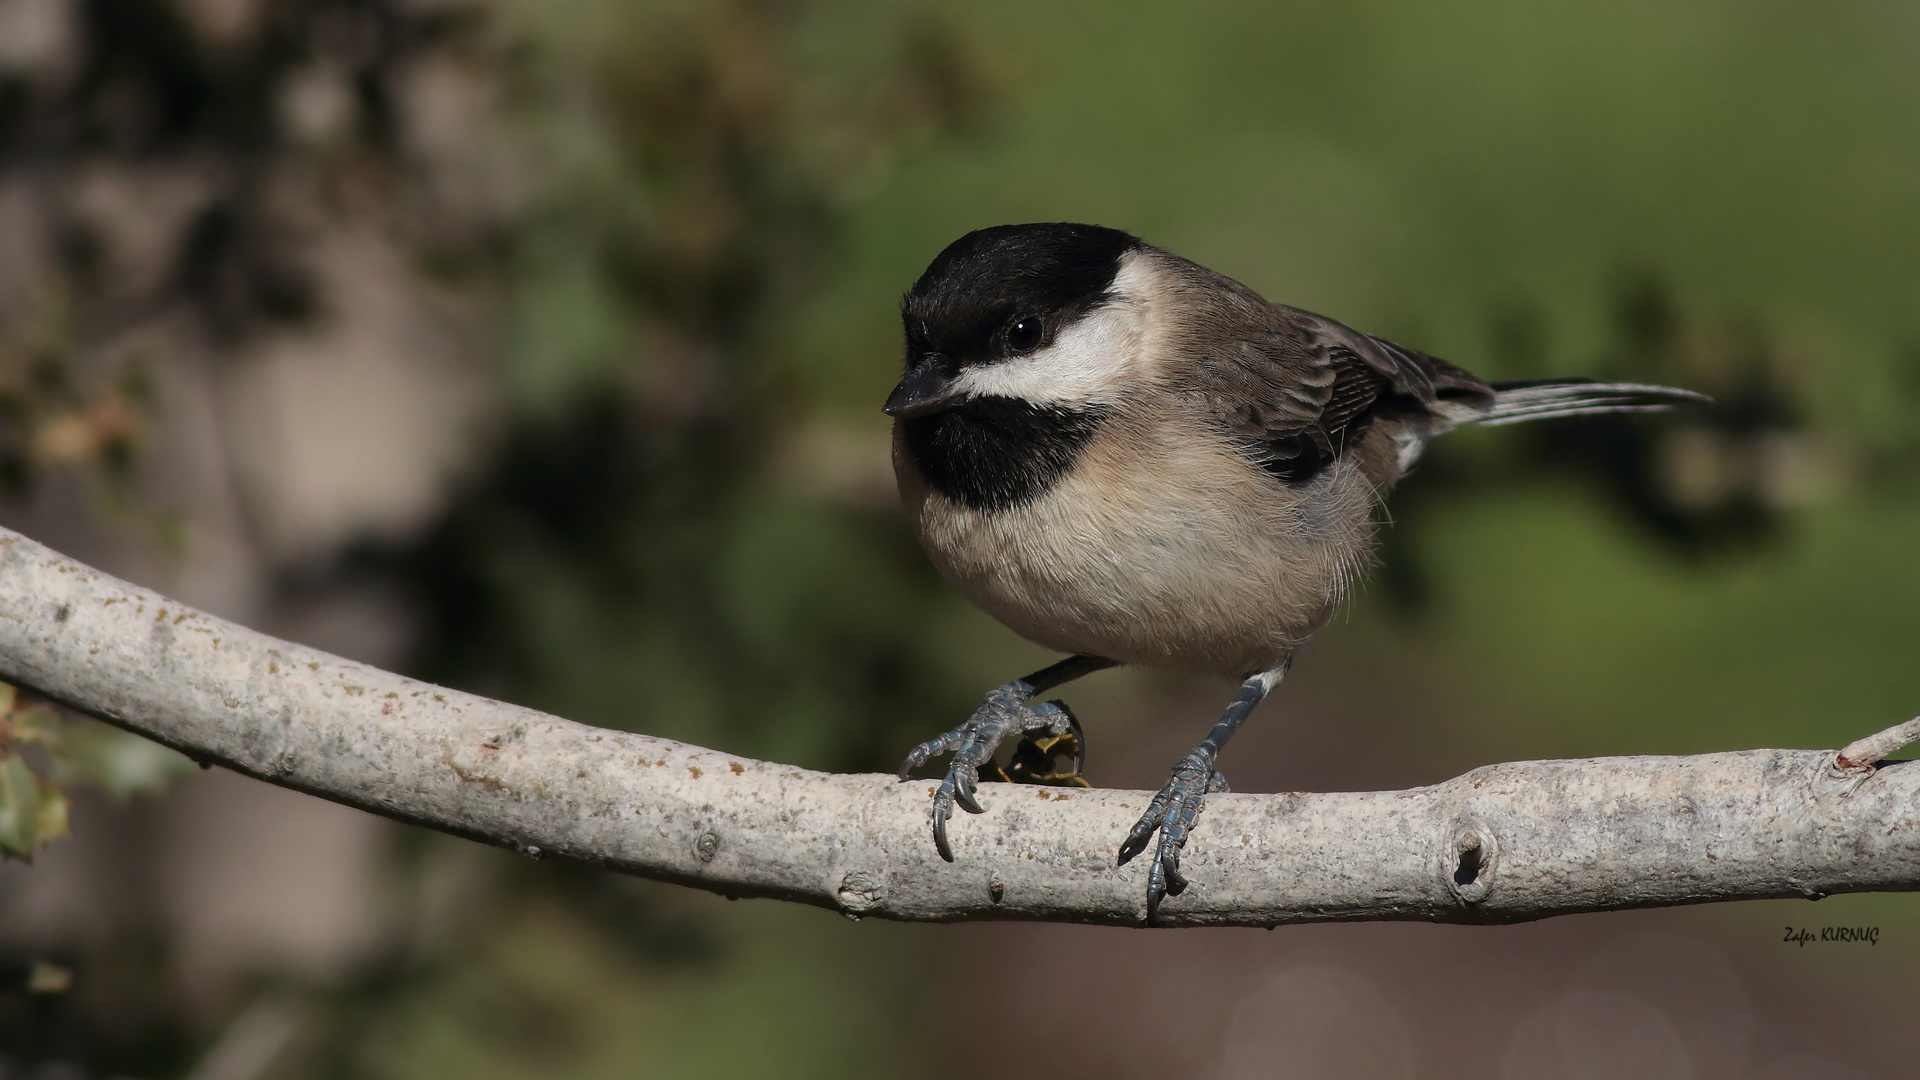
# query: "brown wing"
[[1304, 387]]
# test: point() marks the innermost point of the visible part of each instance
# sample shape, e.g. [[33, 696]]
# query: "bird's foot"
[[1004, 712], [1172, 813]]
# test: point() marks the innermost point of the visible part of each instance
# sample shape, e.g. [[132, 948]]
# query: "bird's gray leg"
[[1004, 712], [1177, 806]]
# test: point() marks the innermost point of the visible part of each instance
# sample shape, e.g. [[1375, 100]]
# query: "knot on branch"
[[860, 891], [1473, 854]]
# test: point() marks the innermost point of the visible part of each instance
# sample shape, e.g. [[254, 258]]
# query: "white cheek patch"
[[1092, 362]]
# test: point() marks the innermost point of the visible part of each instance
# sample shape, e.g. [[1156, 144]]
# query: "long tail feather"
[[1514, 402]]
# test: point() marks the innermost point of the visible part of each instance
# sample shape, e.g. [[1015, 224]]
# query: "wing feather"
[[1303, 387]]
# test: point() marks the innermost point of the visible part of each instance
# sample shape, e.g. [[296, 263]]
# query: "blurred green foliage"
[[44, 750], [58, 410]]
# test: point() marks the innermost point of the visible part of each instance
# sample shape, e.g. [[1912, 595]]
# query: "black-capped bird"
[[1129, 458]]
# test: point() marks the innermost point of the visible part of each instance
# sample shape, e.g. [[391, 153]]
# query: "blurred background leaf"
[[19, 807], [67, 749], [120, 765]]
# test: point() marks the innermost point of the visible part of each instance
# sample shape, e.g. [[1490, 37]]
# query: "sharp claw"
[[917, 757], [1176, 884], [965, 798], [940, 835], [1135, 843]]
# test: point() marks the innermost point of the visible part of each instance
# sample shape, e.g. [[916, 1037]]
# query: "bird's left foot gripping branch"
[[1128, 458]]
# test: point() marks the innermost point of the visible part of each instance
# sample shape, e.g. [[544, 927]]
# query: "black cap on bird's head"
[[996, 293]]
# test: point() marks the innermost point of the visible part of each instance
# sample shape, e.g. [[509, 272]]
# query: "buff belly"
[[1194, 561]]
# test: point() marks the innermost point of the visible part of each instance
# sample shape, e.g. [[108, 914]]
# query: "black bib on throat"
[[995, 453]]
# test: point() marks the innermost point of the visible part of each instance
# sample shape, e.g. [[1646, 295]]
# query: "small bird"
[[1131, 459]]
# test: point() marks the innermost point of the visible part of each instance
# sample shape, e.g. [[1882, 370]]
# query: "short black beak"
[[926, 389]]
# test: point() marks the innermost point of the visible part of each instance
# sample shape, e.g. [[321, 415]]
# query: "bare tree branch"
[[1502, 843]]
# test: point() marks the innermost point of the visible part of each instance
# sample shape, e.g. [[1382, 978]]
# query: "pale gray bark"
[[1502, 843]]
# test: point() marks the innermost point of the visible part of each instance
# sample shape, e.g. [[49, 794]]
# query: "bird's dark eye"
[[1024, 333]]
